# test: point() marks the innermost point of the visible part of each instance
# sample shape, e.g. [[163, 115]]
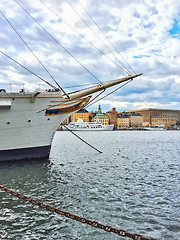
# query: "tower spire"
[[99, 109]]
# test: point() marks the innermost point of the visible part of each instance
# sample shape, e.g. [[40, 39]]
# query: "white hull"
[[87, 126], [154, 129], [107, 128], [24, 128]]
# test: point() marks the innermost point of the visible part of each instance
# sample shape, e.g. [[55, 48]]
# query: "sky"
[[82, 42]]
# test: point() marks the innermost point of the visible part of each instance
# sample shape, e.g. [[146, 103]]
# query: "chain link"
[[95, 224]]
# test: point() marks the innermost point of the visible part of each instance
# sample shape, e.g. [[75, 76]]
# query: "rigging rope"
[[50, 9], [126, 71], [85, 84], [95, 97], [81, 139], [58, 42], [28, 70], [81, 85], [95, 224], [107, 39], [108, 93], [34, 54]]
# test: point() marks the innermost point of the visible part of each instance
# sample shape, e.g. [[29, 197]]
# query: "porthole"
[[8, 123], [29, 120], [48, 119]]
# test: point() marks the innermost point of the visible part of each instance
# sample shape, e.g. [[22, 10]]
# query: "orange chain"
[[106, 228]]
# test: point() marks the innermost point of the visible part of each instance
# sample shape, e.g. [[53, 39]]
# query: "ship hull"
[[28, 124], [104, 128], [25, 153], [87, 126]]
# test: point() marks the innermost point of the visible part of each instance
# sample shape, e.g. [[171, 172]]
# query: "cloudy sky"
[[106, 38]]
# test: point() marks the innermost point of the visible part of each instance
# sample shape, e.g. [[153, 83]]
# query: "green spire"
[[99, 109]]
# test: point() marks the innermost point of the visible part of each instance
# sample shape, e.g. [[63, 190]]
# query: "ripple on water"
[[136, 188]]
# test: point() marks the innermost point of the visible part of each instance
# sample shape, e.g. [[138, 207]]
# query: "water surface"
[[133, 185]]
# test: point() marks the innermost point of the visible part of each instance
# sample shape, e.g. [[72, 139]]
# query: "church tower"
[[99, 109]]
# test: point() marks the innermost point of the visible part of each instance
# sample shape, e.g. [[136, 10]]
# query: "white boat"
[[80, 125], [155, 128]]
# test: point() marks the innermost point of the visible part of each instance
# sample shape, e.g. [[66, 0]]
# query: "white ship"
[[80, 125], [157, 128], [28, 121]]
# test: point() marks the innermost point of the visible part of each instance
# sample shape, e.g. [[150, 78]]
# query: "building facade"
[[135, 120], [129, 119], [67, 121], [152, 117], [100, 117], [112, 115], [163, 121], [82, 113], [122, 122]]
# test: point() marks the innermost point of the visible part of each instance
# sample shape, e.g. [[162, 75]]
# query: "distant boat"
[[80, 125], [154, 128]]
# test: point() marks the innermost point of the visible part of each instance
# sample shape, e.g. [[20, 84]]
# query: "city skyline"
[[139, 117], [146, 34], [127, 110]]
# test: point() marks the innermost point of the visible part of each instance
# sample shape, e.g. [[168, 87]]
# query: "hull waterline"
[[25, 153]]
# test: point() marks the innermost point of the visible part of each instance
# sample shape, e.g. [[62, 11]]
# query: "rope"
[[95, 224], [28, 70], [82, 139], [57, 42], [34, 54], [107, 39], [108, 94], [50, 9], [94, 98], [126, 70]]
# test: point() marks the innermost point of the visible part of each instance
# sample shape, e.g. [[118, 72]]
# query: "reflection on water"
[[133, 185]]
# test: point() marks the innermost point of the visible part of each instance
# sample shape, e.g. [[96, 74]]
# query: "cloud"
[[145, 34]]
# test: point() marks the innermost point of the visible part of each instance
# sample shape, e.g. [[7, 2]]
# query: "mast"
[[100, 87]]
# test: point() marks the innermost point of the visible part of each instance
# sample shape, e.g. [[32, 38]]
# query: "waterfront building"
[[91, 116], [112, 115], [135, 120], [163, 121], [100, 117], [129, 119], [123, 121], [152, 117], [66, 121], [82, 113]]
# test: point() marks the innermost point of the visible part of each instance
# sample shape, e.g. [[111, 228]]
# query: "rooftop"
[[82, 110], [152, 109], [100, 115]]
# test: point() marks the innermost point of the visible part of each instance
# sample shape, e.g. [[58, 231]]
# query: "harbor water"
[[133, 185]]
